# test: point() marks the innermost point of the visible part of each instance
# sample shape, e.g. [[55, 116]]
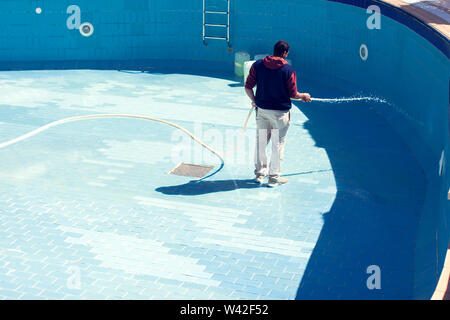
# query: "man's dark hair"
[[280, 48]]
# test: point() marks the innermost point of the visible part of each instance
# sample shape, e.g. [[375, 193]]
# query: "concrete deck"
[[435, 13]]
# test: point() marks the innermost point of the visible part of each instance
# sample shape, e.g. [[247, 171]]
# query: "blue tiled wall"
[[325, 36]]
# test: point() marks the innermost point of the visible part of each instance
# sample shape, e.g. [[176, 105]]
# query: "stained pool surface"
[[88, 209]]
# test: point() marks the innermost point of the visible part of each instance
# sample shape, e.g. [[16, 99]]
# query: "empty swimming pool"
[[88, 209]]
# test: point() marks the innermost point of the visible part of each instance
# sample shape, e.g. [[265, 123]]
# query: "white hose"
[[112, 115]]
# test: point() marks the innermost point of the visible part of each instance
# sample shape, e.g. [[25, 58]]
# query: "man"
[[276, 84]]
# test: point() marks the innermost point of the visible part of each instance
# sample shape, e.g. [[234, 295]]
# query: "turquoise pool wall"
[[410, 71]]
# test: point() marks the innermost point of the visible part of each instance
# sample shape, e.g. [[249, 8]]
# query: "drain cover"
[[191, 170]]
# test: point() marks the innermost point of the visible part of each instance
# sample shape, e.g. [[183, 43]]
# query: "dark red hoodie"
[[276, 83]]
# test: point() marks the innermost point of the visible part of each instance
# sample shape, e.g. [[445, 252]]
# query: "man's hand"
[[305, 97], [251, 95]]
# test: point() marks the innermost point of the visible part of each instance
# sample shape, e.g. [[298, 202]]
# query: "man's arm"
[[292, 88], [250, 84], [251, 95]]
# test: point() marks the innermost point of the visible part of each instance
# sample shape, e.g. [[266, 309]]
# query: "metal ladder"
[[224, 25]]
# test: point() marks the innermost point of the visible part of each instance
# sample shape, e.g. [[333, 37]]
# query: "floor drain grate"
[[191, 170]]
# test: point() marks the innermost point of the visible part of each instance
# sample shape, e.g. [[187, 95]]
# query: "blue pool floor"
[[89, 211]]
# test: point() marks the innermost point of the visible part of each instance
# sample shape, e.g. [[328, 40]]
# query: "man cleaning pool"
[[276, 85]]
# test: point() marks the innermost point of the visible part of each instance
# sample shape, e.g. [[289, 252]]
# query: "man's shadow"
[[195, 188]]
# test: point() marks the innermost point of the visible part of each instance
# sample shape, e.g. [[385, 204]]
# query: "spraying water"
[[373, 99], [348, 99]]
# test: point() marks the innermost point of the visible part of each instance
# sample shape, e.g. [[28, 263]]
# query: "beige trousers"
[[270, 125]]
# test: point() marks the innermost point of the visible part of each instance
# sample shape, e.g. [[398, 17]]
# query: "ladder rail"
[[204, 21], [217, 38], [227, 25], [216, 12], [216, 25]]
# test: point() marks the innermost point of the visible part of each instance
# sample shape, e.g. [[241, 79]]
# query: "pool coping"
[[427, 16], [425, 23]]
